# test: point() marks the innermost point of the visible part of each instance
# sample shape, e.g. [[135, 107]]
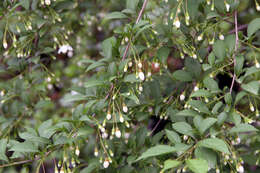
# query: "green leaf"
[[162, 54], [94, 83], [156, 151], [94, 65], [72, 98], [107, 47], [187, 112], [132, 4], [243, 128], [239, 96], [219, 49], [183, 128], [222, 118], [131, 78], [3, 145], [239, 65], [215, 144], [46, 129], [169, 164], [203, 124], [199, 106], [26, 147], [211, 84], [32, 138], [230, 42], [207, 154], [173, 136], [25, 4], [201, 93], [115, 15], [197, 165], [252, 87], [211, 59], [253, 26], [182, 75]]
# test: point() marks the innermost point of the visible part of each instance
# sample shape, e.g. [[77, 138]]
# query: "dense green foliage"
[[81, 81]]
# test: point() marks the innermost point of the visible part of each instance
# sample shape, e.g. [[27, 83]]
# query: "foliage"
[[80, 82]]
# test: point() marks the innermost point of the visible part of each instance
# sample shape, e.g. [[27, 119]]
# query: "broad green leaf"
[[199, 106], [193, 67], [203, 124], [222, 118], [107, 47], [187, 112], [32, 138], [207, 154], [239, 65], [201, 93], [131, 78], [44, 129], [252, 87], [3, 145], [94, 83], [239, 96], [169, 164], [115, 15], [230, 42], [95, 65], [211, 84], [26, 147], [197, 165], [219, 49], [91, 167], [173, 136], [132, 4], [72, 98], [243, 128], [215, 144], [163, 53], [211, 59], [183, 128], [182, 75], [25, 4], [228, 98], [156, 151], [253, 26]]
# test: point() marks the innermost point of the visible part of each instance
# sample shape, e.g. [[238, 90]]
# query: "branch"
[[137, 20], [241, 27], [234, 54]]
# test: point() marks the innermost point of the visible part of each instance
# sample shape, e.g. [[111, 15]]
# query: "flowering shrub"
[[129, 86]]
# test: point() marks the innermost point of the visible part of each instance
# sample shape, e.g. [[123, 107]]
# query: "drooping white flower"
[[140, 88], [196, 88], [221, 37], [104, 135], [121, 119], [252, 108], [141, 75], [240, 169], [106, 163], [109, 116], [48, 2], [156, 65], [182, 97], [5, 45], [130, 64], [118, 133], [140, 65], [200, 37], [177, 23], [125, 109], [77, 152], [227, 7], [64, 49], [149, 74]]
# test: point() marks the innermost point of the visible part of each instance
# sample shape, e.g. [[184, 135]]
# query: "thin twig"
[[239, 28], [109, 92], [137, 20], [155, 127], [234, 54]]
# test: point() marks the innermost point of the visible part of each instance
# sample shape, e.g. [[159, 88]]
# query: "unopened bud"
[[141, 75], [118, 133], [106, 163], [221, 37], [177, 22]]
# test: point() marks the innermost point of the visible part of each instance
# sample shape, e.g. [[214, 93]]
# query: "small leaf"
[[94, 65], [156, 151], [115, 15], [199, 106], [211, 84], [239, 65], [187, 112], [169, 164], [131, 78], [207, 154], [222, 118], [173, 136], [219, 49], [253, 26], [203, 125], [252, 87], [25, 4], [201, 93], [183, 128], [93, 83], [3, 145], [72, 98], [182, 75], [243, 128], [26, 147], [197, 165], [215, 144], [132, 4]]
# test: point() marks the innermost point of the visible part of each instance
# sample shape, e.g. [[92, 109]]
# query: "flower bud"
[[177, 22], [77, 152], [48, 2], [221, 37], [96, 152], [141, 75], [121, 118], [109, 116], [200, 37], [118, 133], [227, 6], [125, 109], [140, 65], [182, 96], [106, 163], [130, 64]]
